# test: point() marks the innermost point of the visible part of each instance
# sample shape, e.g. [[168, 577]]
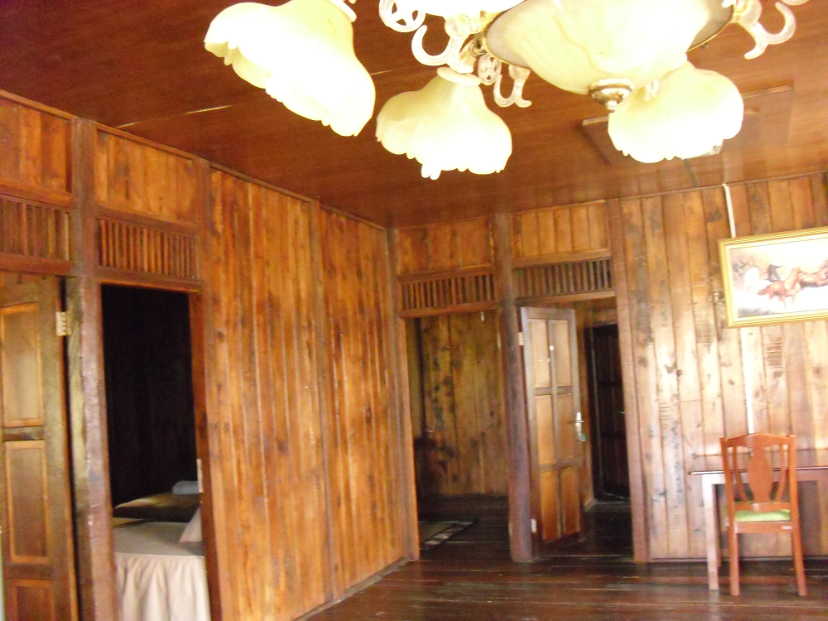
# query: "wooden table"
[[811, 465]]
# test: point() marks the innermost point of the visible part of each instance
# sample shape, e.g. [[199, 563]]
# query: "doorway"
[[153, 456], [578, 461], [458, 424]]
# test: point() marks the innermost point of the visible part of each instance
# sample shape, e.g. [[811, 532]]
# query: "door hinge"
[[62, 323], [520, 339], [534, 524]]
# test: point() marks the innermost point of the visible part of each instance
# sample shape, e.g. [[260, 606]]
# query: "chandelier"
[[629, 55]]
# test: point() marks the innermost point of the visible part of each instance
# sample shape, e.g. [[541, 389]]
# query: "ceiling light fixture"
[[631, 56]]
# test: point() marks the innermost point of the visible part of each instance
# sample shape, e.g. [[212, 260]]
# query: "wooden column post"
[[520, 531], [87, 396], [402, 404]]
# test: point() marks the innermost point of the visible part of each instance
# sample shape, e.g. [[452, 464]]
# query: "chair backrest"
[[768, 463]]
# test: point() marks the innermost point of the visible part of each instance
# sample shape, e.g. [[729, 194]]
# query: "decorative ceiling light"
[[302, 54], [686, 114], [630, 55], [446, 126]]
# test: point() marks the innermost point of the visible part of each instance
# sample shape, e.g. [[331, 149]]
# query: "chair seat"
[[783, 515]]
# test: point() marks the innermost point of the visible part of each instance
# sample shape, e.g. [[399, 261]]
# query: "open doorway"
[[586, 438], [153, 471], [458, 425]]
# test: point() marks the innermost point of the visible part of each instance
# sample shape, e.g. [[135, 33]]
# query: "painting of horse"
[[776, 277]]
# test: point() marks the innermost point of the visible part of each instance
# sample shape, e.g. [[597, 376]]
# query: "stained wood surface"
[[546, 234], [136, 177], [367, 482], [460, 432], [34, 160], [38, 555], [693, 376], [444, 246]]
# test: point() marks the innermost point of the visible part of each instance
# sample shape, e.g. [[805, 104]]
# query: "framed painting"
[[775, 278]]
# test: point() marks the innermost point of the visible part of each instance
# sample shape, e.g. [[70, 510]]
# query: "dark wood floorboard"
[[470, 577]]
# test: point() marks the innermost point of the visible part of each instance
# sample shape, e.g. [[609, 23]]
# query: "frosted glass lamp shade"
[[575, 44], [693, 111], [446, 126], [302, 54], [449, 8]]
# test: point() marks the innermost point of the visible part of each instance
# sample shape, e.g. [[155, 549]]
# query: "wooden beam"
[[520, 532], [87, 396], [400, 384]]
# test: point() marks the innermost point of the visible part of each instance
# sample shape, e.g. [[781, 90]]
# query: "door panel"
[[38, 559], [551, 379]]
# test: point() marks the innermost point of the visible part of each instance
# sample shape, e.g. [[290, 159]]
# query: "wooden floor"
[[470, 577]]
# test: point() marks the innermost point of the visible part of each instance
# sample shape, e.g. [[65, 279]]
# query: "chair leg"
[[733, 557], [799, 565]]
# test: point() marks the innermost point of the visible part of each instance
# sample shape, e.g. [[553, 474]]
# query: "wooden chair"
[[760, 486]]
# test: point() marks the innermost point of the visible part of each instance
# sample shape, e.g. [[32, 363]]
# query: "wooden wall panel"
[[444, 247], [696, 379], [262, 415], [34, 158], [366, 489], [140, 178], [547, 235], [460, 439]]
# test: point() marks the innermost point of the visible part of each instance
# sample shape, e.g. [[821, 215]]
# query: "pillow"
[[192, 533], [160, 508], [185, 487]]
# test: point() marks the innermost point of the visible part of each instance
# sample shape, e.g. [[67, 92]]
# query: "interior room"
[[549, 274]]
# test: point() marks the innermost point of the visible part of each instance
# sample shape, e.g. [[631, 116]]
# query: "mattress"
[[158, 578]]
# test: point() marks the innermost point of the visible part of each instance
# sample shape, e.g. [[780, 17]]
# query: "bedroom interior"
[[353, 333]]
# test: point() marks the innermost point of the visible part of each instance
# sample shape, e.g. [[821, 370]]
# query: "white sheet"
[[160, 579]]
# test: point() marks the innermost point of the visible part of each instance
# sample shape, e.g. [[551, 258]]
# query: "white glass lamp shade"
[[693, 111], [446, 126], [574, 44], [302, 54]]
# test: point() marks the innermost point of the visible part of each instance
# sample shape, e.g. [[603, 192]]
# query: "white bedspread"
[[160, 579]]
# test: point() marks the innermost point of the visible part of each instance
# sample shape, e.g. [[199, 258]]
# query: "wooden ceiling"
[[140, 64]]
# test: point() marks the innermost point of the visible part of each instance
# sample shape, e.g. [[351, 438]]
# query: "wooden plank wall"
[[693, 375], [460, 438], [366, 480], [555, 234], [444, 247]]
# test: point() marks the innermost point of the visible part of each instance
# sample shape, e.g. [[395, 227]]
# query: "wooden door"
[[38, 560], [609, 435], [555, 421]]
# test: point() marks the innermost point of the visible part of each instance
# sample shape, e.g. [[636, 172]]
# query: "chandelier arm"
[[398, 18], [458, 28], [519, 76], [749, 12]]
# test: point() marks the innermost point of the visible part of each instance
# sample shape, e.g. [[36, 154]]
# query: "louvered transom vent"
[[32, 230], [563, 279], [137, 248], [424, 294]]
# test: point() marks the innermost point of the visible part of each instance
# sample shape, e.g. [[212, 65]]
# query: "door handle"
[[579, 427]]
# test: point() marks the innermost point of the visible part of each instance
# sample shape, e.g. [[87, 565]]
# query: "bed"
[[160, 578]]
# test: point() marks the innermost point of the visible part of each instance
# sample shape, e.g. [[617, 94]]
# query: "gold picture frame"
[[775, 278]]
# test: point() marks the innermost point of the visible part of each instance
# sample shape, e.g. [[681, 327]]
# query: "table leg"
[[711, 532]]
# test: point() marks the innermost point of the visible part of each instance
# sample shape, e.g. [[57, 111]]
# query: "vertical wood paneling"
[[261, 402], [34, 158], [544, 234], [363, 464], [138, 178], [461, 435], [444, 246], [696, 379]]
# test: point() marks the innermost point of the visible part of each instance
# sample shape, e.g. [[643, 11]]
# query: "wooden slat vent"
[[136, 248], [559, 279], [448, 291], [32, 230]]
